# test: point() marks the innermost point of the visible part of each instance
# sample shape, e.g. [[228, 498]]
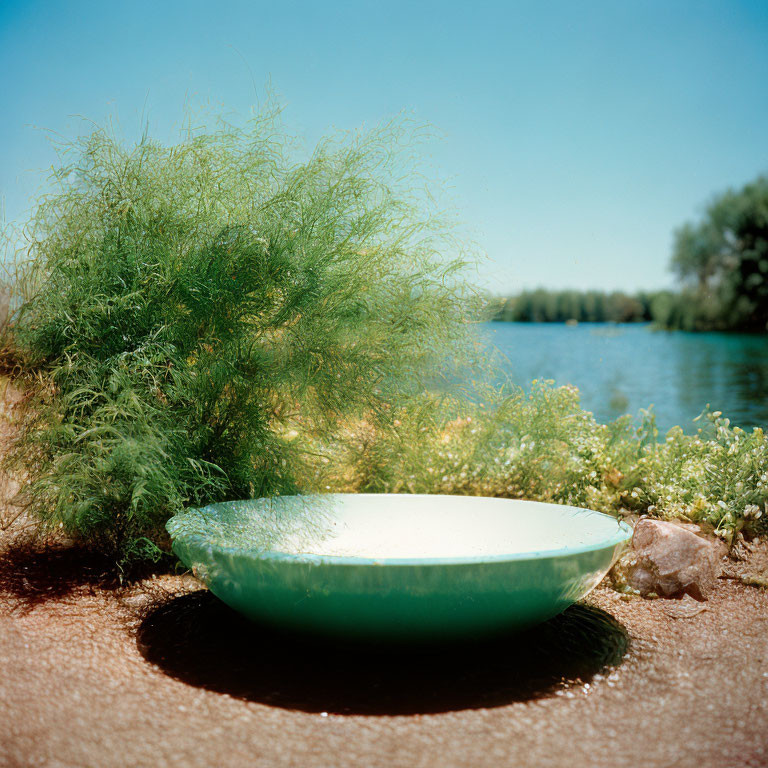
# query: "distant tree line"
[[721, 263], [544, 306]]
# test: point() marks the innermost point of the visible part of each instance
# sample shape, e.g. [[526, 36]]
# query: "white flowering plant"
[[542, 445]]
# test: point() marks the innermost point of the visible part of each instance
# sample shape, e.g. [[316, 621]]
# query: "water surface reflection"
[[622, 368]]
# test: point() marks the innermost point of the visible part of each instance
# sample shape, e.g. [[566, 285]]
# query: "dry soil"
[[161, 674]]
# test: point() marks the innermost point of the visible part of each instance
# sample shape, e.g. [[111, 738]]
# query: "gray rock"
[[666, 559]]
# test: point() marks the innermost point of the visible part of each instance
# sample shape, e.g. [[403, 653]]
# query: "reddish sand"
[[163, 675]]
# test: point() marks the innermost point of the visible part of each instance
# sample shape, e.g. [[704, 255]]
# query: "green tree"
[[594, 306], [725, 258], [568, 306]]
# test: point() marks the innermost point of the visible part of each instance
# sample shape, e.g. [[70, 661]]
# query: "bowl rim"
[[199, 541]]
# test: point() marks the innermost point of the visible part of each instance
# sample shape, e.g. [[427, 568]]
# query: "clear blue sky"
[[577, 135]]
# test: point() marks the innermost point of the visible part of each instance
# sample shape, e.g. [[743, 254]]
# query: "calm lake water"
[[622, 368]]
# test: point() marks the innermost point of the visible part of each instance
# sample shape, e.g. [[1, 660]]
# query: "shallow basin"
[[397, 566]]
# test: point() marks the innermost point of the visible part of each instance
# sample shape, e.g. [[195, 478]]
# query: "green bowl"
[[397, 566]]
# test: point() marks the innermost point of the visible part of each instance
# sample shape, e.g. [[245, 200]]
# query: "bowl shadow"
[[197, 639]]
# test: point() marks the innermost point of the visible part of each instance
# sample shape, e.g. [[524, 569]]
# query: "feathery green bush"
[[192, 300]]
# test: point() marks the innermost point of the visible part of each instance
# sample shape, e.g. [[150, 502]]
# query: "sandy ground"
[[162, 674]]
